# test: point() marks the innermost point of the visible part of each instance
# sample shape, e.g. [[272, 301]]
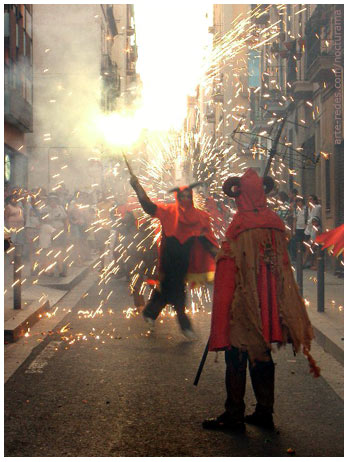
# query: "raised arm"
[[148, 206]]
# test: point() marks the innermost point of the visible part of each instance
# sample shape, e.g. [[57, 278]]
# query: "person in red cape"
[[256, 302], [187, 252]]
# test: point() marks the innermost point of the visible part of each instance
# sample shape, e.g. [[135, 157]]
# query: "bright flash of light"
[[119, 130]]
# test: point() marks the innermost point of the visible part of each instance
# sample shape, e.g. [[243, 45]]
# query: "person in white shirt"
[[314, 210], [300, 223]]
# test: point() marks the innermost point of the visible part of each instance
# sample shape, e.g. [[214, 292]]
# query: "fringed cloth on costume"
[[256, 300]]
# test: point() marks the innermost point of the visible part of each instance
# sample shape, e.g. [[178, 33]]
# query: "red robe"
[[256, 300], [183, 221]]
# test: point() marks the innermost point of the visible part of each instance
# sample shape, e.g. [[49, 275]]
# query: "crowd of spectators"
[[302, 217], [56, 230]]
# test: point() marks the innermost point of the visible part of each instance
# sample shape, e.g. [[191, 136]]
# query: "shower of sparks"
[[176, 158]]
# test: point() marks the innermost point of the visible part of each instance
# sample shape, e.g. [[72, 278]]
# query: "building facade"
[[18, 91], [302, 80], [80, 72]]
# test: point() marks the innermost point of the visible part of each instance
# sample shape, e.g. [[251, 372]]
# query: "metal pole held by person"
[[201, 364]]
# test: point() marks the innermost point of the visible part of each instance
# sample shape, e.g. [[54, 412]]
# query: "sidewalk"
[[38, 296], [42, 296], [329, 325]]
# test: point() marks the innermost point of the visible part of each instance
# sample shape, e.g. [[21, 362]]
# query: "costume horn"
[[268, 184], [194, 185], [228, 185], [174, 190]]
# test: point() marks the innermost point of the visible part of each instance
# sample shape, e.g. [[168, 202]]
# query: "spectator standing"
[[78, 226], [32, 227], [57, 219], [300, 223], [314, 210], [14, 219]]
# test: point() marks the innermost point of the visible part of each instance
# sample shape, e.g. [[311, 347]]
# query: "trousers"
[[159, 300], [262, 380]]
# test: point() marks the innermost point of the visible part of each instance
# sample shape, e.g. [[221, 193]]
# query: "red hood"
[[252, 194], [185, 206], [253, 211]]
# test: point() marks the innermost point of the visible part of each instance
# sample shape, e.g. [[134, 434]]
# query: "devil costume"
[[186, 254], [256, 303]]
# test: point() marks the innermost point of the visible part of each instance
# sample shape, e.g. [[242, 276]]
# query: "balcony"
[[320, 45], [302, 90], [131, 71], [191, 102], [108, 69], [218, 97], [111, 20], [17, 110], [210, 115], [319, 66], [133, 54]]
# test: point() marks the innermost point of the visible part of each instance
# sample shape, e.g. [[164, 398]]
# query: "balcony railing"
[[210, 115], [108, 68], [218, 97], [17, 110], [131, 68], [302, 90], [320, 45], [319, 63]]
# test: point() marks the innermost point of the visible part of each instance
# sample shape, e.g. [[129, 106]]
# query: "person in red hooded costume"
[[256, 302], [187, 252]]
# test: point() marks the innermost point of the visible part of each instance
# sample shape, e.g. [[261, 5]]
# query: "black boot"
[[262, 379], [224, 422], [264, 420]]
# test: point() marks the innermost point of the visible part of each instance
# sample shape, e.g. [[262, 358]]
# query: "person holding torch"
[[187, 252]]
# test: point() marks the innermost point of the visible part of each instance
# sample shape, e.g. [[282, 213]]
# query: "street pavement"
[[96, 383]]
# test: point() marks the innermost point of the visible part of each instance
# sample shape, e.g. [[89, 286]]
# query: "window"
[[7, 168], [7, 24], [13, 75], [27, 23]]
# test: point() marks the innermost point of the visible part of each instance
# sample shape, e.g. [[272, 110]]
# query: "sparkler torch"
[[128, 166]]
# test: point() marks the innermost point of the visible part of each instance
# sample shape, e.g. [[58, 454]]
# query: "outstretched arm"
[[148, 206]]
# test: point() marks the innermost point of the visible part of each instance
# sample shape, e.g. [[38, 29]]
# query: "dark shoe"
[[260, 420], [223, 422]]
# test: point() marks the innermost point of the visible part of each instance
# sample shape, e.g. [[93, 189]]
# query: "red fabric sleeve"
[[224, 287]]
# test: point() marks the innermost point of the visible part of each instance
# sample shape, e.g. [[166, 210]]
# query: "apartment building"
[[125, 52], [18, 91], [82, 69], [223, 106], [302, 80]]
